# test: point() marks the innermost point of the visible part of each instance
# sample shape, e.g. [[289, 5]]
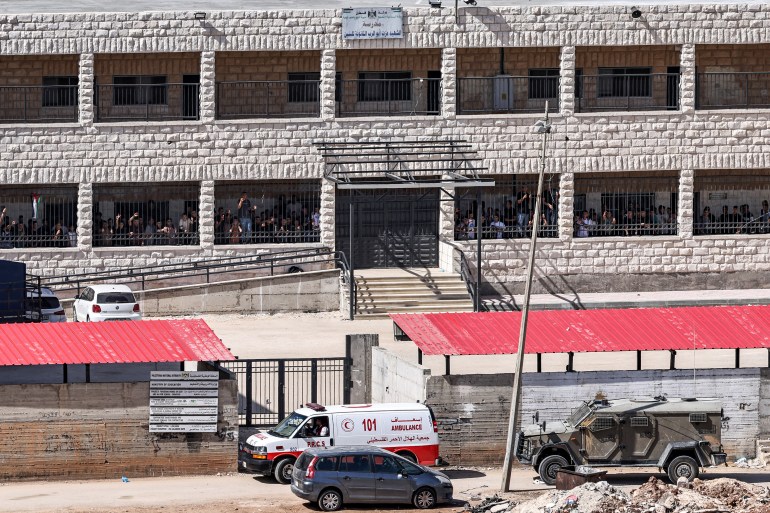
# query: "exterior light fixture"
[[435, 3], [636, 13], [199, 15]]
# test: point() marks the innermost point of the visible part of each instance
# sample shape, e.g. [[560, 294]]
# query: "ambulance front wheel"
[[408, 455], [283, 470]]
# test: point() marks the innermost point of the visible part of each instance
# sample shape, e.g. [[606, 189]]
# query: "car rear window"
[[45, 302], [303, 461], [115, 297]]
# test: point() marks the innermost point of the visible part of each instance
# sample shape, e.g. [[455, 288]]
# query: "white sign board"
[[183, 402], [373, 23]]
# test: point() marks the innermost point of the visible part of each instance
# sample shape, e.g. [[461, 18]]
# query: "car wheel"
[[284, 470], [408, 455], [424, 498], [682, 466], [549, 466], [330, 500]]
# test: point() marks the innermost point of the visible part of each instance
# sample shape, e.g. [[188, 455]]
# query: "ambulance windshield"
[[288, 425]]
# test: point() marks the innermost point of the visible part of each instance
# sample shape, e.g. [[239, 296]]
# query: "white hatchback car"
[[50, 308], [106, 303]]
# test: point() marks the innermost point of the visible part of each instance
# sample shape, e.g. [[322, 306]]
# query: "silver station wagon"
[[346, 475]]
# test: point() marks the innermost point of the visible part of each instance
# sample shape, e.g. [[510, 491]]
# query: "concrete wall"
[[472, 410], [100, 430], [96, 373], [395, 380]]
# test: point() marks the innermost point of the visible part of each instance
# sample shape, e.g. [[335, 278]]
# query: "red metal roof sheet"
[[564, 331], [110, 342]]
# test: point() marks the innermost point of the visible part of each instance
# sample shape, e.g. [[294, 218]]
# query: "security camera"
[[470, 2], [636, 13]]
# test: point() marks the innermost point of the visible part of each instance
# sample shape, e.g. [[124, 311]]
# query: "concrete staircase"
[[383, 291]]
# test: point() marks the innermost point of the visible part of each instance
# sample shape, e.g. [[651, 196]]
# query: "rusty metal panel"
[[110, 342], [563, 331]]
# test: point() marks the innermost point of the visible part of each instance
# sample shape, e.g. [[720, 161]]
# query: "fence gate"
[[270, 389]]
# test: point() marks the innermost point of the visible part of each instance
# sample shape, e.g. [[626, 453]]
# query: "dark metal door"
[[190, 96], [391, 228]]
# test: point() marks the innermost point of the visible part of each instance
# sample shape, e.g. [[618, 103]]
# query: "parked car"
[[678, 435], [106, 303], [47, 304], [358, 475], [407, 429]]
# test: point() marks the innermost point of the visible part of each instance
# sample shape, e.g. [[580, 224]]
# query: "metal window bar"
[[731, 202], [506, 94], [508, 209], [654, 91], [278, 212], [38, 104], [268, 99], [147, 102], [143, 215], [390, 97], [625, 204], [38, 217], [744, 90]]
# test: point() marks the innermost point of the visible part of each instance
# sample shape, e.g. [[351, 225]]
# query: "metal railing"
[[506, 94], [146, 102], [146, 238], [349, 280], [57, 239], [389, 97], [284, 234], [268, 99], [502, 231], [652, 91], [38, 104], [467, 276], [621, 228], [733, 90], [281, 261]]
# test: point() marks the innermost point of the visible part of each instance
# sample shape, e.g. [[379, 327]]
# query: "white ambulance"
[[408, 429]]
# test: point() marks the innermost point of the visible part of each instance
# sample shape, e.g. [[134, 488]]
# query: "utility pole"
[[543, 127]]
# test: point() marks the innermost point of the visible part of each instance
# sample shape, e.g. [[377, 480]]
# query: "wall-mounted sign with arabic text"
[[373, 23]]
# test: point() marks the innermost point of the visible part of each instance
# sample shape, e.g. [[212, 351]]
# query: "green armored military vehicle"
[[679, 436]]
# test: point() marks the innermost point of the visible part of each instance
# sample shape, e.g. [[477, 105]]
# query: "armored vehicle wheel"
[[682, 466], [548, 467]]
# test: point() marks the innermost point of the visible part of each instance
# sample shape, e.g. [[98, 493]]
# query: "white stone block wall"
[[206, 151]]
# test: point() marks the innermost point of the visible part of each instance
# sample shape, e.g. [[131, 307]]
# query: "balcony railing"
[[733, 90], [506, 94], [268, 99], [146, 102], [389, 97], [623, 228], [602, 93], [38, 104]]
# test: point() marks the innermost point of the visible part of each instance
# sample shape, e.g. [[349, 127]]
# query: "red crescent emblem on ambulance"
[[347, 425]]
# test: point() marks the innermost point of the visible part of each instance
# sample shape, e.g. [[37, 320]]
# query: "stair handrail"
[[467, 276], [349, 280]]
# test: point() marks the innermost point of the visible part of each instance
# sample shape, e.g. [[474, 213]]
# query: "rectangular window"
[[304, 87], [543, 83], [625, 82], [639, 422], [602, 423], [140, 90], [698, 418], [355, 463], [60, 91], [385, 86]]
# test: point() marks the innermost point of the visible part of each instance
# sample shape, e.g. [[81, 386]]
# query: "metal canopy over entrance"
[[388, 196]]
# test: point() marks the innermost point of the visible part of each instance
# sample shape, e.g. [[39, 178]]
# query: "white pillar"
[[567, 80], [206, 214], [449, 83], [328, 83], [208, 91], [566, 205], [86, 89], [687, 79], [85, 227], [685, 212], [328, 213]]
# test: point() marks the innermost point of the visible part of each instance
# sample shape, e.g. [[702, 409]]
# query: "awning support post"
[[446, 365], [571, 362], [638, 360], [539, 362], [737, 358], [419, 356], [477, 298], [672, 363]]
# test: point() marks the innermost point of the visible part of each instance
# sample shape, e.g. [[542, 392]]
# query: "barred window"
[[602, 423], [543, 83], [38, 215], [140, 90], [696, 418], [625, 82], [60, 91], [640, 421], [304, 87], [384, 86]]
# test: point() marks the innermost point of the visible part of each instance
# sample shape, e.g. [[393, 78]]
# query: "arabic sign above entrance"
[[373, 23]]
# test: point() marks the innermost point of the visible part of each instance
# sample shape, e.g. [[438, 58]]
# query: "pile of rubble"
[[721, 495]]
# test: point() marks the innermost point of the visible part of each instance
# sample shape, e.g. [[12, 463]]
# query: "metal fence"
[[268, 390], [38, 104], [146, 214], [268, 99], [506, 94], [508, 209], [147, 102], [272, 212], [733, 90], [389, 97], [650, 91], [38, 216]]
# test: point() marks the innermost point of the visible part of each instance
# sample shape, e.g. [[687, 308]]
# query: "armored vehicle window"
[[602, 423], [698, 417], [579, 413], [640, 421]]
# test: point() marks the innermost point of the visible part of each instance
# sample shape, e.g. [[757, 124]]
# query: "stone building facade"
[[699, 136]]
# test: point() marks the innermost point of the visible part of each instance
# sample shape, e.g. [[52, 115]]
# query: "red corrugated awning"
[[585, 331], [110, 342]]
